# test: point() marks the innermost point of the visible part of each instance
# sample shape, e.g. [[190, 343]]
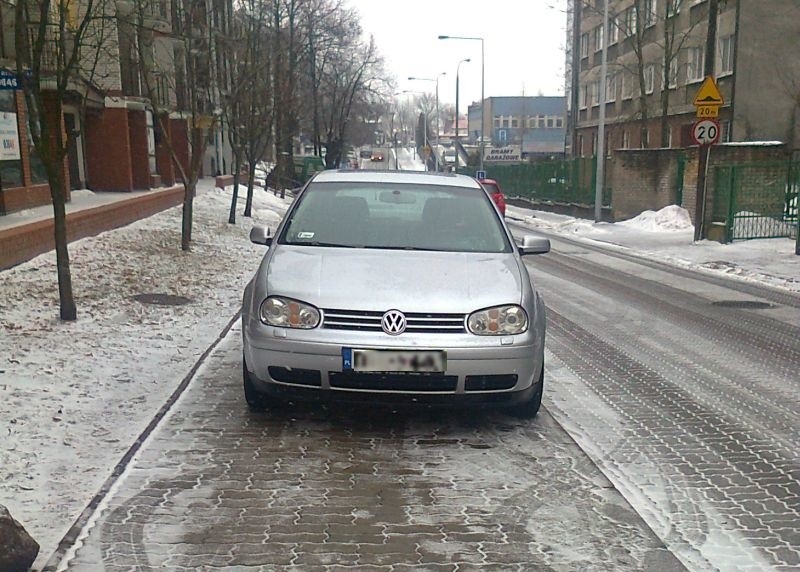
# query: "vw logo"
[[393, 322]]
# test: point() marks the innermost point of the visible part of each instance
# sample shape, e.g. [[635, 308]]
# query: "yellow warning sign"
[[709, 94]]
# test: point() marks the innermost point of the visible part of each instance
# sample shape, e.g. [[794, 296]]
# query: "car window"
[[395, 216], [491, 188]]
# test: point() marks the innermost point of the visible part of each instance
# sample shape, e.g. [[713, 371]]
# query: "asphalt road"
[[686, 414]]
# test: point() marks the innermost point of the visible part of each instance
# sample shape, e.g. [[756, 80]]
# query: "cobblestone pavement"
[[691, 409], [308, 488]]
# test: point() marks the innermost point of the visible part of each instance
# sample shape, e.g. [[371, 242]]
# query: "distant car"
[[376, 156], [493, 188], [365, 154], [381, 286]]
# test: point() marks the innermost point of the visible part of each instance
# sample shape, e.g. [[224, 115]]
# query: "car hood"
[[379, 280]]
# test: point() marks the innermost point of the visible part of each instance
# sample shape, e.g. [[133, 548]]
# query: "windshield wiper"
[[323, 244], [403, 248]]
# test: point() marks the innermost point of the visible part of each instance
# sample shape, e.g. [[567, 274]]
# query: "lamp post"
[[435, 79], [483, 78], [455, 139]]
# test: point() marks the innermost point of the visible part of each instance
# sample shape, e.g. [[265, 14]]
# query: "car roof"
[[400, 177]]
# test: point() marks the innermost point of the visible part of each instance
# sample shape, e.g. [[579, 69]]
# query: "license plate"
[[389, 361]]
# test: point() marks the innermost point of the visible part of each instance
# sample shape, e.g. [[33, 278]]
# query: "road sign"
[[480, 174], [709, 94], [706, 132], [708, 111]]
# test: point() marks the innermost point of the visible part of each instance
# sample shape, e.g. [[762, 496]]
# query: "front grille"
[[393, 381], [356, 320], [489, 382], [296, 376]]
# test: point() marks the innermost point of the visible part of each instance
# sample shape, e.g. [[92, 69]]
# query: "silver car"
[[391, 286]]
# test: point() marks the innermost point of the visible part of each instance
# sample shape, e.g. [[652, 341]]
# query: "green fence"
[[757, 200], [569, 181]]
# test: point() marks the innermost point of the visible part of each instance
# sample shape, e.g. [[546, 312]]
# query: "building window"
[[650, 12], [585, 45], [645, 139], [595, 93], [598, 38], [505, 122], [725, 136], [674, 8], [613, 30], [497, 122], [726, 55], [669, 136], [630, 20], [673, 73], [695, 64], [559, 122], [531, 123], [514, 122], [583, 96], [626, 86], [649, 79], [611, 88], [626, 139], [580, 145], [550, 122]]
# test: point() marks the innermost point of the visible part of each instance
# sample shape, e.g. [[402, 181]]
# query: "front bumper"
[[479, 369]]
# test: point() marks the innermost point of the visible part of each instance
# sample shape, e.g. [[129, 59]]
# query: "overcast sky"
[[523, 39]]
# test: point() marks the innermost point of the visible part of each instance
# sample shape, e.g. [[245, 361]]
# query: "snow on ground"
[[74, 396], [409, 160], [668, 235]]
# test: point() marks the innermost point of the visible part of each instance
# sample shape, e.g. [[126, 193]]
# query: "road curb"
[[74, 533]]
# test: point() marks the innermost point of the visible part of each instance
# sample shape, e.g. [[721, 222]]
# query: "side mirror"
[[260, 235], [534, 245]]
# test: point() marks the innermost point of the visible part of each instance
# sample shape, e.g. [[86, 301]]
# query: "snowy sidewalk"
[[74, 396], [667, 236]]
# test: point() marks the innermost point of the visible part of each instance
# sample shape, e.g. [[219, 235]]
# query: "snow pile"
[[670, 218]]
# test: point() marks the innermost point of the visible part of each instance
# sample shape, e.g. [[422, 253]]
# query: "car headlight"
[[498, 321], [288, 313]]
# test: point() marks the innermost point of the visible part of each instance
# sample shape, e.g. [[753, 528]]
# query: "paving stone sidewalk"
[[338, 488]]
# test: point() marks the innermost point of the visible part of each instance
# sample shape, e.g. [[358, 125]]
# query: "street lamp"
[[483, 77], [436, 79], [455, 139]]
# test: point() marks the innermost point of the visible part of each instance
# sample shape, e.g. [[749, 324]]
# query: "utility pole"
[[601, 127], [704, 150]]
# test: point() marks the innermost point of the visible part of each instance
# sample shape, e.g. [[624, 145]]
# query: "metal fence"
[[757, 200], [570, 181]]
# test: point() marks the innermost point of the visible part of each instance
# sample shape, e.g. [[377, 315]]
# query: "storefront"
[[23, 180]]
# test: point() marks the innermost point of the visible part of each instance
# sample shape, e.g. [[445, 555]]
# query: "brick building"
[[114, 141], [658, 46]]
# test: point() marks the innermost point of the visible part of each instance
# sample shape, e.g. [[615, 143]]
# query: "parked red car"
[[497, 195]]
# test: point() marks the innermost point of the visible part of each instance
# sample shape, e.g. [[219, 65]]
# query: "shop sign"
[[8, 80], [503, 154], [9, 137]]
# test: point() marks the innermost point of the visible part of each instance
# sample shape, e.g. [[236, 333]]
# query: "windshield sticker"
[[305, 235]]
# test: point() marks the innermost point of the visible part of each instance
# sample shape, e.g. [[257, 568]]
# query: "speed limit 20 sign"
[[706, 132]]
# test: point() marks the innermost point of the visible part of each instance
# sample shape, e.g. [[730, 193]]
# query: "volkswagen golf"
[[387, 286]]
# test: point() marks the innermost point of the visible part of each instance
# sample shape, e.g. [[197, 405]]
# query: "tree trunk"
[[251, 175], [235, 196], [186, 222], [67, 302]]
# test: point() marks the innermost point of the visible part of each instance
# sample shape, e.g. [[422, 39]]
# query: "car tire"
[[256, 400], [530, 408]]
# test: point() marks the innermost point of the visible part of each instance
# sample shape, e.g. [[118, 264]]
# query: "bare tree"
[[247, 107], [184, 62], [58, 44]]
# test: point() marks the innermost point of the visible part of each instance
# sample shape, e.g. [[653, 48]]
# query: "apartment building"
[[115, 142], [656, 59]]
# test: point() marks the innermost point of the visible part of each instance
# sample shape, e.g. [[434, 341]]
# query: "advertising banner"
[[9, 137]]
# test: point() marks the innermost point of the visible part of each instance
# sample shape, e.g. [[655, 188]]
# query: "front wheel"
[[256, 400], [530, 408]]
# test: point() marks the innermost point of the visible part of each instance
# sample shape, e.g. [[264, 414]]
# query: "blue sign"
[[9, 80], [480, 174], [347, 358]]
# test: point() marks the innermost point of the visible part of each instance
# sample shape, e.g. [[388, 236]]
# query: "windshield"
[[396, 216]]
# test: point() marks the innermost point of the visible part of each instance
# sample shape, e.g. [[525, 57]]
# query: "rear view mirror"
[[534, 245], [397, 198], [260, 235]]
